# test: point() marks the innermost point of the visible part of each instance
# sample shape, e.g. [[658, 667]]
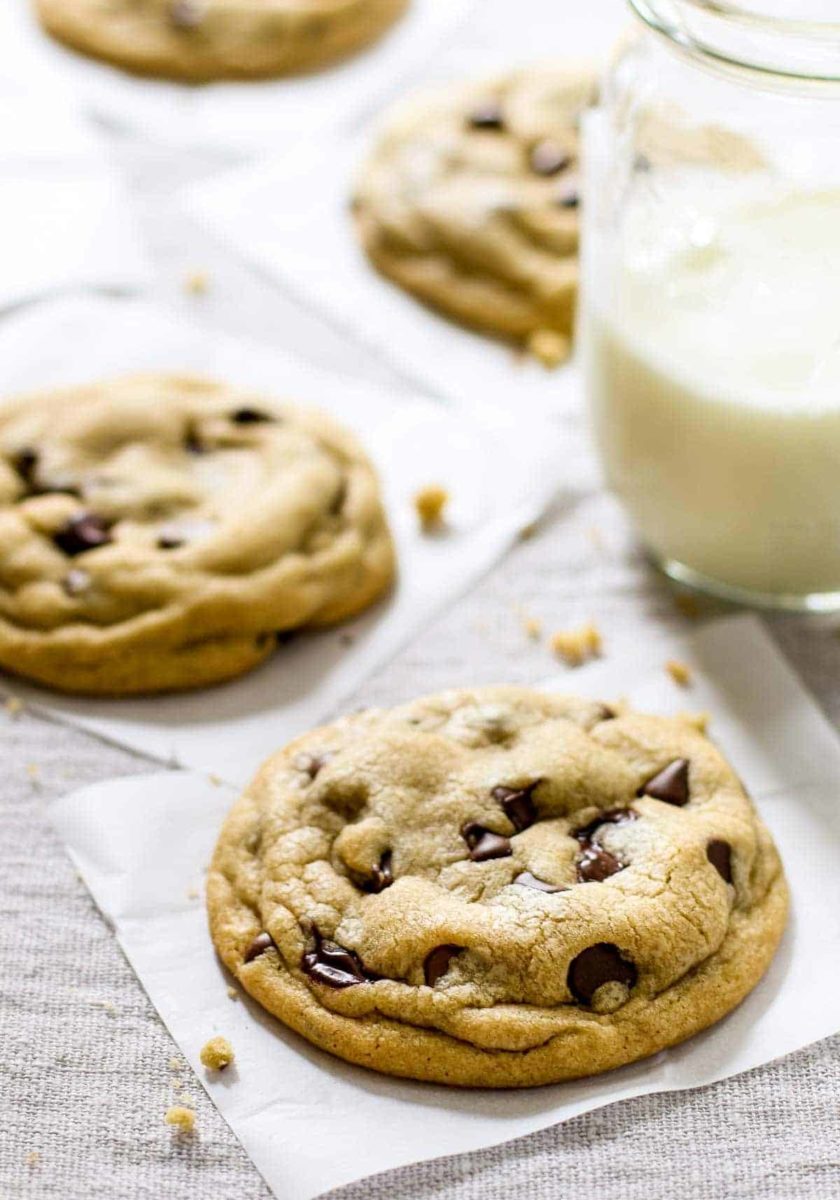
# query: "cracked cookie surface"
[[470, 201], [159, 532], [201, 40], [497, 887]]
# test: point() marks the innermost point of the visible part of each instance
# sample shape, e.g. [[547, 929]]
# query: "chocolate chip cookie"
[[161, 532], [470, 201], [201, 40], [497, 887]]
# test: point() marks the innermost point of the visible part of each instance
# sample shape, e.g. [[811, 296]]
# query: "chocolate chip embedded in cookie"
[[497, 887], [201, 40], [468, 201], [160, 532]]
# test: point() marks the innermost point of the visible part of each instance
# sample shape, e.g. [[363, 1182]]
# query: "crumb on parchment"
[[233, 993], [549, 347], [217, 1054], [533, 627], [197, 283], [680, 672], [430, 503], [577, 646], [13, 706], [182, 1119], [698, 720]]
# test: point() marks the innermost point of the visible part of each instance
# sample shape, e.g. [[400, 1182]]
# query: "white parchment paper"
[[66, 219], [289, 215], [500, 475], [236, 117], [310, 1122]]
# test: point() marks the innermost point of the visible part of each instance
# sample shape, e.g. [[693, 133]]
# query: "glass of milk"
[[711, 293]]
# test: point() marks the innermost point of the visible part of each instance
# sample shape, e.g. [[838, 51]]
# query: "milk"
[[713, 358]]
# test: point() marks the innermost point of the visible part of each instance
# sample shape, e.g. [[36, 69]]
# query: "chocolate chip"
[[670, 784], [596, 966], [596, 864], [437, 962], [568, 196], [610, 816], [249, 416], [484, 844], [337, 502], [487, 116], [518, 805], [25, 462], [261, 943], [85, 531], [549, 158], [172, 537], [170, 540], [75, 582], [332, 965], [605, 713], [526, 879], [719, 854], [186, 14], [312, 764], [381, 876], [192, 440]]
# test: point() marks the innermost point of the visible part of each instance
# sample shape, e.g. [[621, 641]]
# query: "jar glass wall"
[[711, 295]]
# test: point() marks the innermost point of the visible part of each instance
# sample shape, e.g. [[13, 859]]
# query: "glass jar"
[[711, 294]]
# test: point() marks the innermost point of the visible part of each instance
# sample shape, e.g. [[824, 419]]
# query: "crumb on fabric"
[[680, 672], [33, 770], [33, 1158], [549, 347], [197, 283], [13, 706], [217, 1054], [175, 1064], [430, 503], [182, 1119], [577, 646], [107, 1006]]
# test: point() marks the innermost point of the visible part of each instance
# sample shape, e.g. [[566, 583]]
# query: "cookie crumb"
[[183, 1119], [529, 531], [33, 771], [215, 780], [233, 993], [193, 893], [217, 1054], [577, 646], [197, 283], [533, 627], [13, 706], [33, 1158], [174, 1064], [107, 1006], [430, 503], [698, 720], [680, 672], [549, 347], [688, 605]]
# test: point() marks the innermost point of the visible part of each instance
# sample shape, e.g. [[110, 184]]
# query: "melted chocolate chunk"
[[719, 854], [670, 784], [611, 816], [261, 943], [75, 582], [25, 462], [487, 116], [381, 876], [596, 864], [484, 844], [312, 764], [332, 965], [192, 441], [518, 805], [249, 416], [596, 966], [526, 879], [86, 531], [605, 713], [549, 158], [437, 962]]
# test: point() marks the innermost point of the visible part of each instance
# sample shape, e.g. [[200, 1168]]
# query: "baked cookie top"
[[497, 887], [159, 531], [200, 40], [470, 201]]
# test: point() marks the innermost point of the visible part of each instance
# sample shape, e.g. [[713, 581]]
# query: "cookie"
[[497, 888], [201, 40], [470, 202], [161, 532]]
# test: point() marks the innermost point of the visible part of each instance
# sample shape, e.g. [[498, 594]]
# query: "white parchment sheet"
[[311, 1122], [289, 215], [500, 475], [66, 220], [237, 117]]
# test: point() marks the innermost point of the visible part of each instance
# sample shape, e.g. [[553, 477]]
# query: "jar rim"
[[750, 36]]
